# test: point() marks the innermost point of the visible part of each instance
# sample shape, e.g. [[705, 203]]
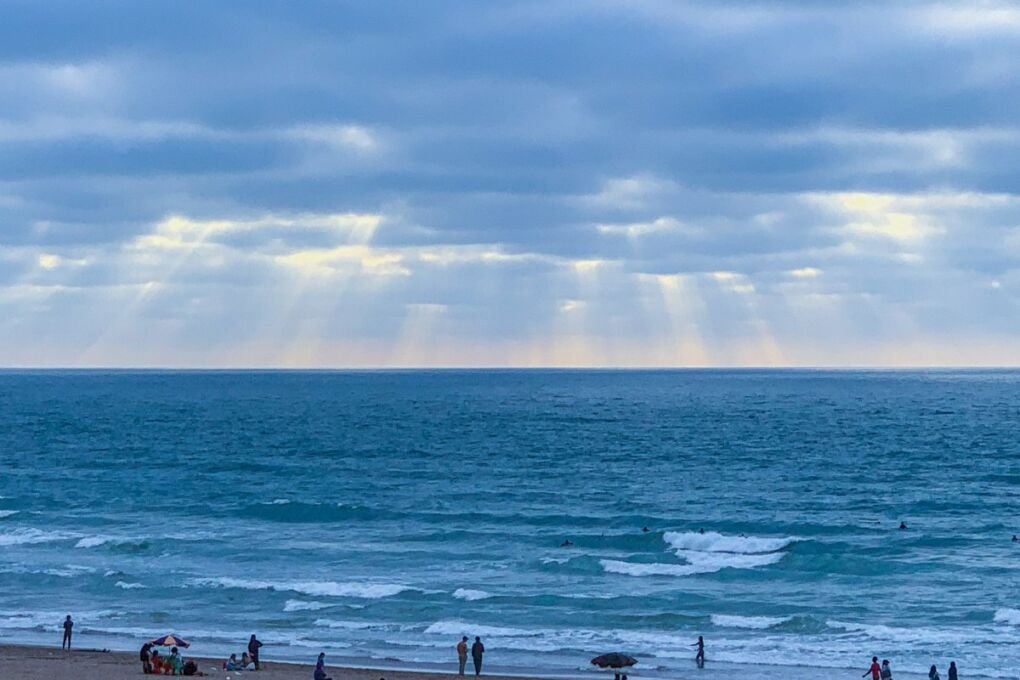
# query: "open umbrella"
[[614, 660], [170, 640]]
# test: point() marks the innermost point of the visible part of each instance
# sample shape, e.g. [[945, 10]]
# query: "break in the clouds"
[[552, 182]]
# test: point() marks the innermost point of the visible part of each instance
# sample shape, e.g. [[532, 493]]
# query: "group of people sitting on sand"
[[249, 660], [154, 663]]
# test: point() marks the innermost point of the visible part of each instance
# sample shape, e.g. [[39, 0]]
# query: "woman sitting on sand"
[[320, 668], [231, 664]]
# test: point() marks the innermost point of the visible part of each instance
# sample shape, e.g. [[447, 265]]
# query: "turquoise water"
[[377, 516]]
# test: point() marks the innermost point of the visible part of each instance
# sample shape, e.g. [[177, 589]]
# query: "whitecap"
[[1008, 616], [470, 595], [7, 513], [92, 541], [31, 536], [128, 586], [751, 622], [345, 625], [366, 591], [711, 541], [462, 628], [302, 605]]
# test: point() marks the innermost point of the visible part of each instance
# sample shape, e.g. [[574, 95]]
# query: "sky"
[[509, 183]]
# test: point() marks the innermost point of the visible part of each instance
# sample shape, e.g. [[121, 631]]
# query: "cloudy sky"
[[526, 183]]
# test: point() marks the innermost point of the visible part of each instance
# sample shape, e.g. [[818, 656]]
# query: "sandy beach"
[[19, 662]]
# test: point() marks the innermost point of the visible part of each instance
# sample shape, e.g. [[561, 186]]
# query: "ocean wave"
[[366, 591], [303, 606], [128, 586], [32, 536], [124, 544], [283, 510], [749, 622], [92, 541], [697, 563], [347, 625], [714, 542], [471, 595], [1008, 616], [7, 513], [454, 628], [924, 636]]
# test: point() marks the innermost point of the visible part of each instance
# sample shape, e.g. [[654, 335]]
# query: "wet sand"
[[19, 662]]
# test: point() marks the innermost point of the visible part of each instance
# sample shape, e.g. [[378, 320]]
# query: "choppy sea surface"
[[379, 516]]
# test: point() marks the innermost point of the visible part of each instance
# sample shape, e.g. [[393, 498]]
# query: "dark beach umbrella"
[[614, 660], [170, 641]]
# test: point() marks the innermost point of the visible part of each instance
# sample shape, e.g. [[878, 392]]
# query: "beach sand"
[[19, 662]]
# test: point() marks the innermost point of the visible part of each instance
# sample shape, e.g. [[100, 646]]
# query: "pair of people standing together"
[[477, 650]]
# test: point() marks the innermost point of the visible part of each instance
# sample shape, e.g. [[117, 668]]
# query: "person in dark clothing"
[[952, 671], [933, 673], [253, 650], [903, 525], [874, 669], [320, 668], [68, 625], [477, 650], [143, 656], [699, 658], [886, 673]]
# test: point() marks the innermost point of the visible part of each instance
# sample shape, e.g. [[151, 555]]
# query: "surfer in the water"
[[566, 543], [903, 525]]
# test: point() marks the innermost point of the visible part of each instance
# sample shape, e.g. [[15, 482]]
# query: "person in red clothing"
[[875, 670]]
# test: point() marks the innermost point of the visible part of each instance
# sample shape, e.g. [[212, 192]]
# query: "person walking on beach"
[[477, 650], [320, 668], [699, 658], [886, 673], [462, 654], [933, 673], [68, 625], [874, 669], [952, 671], [253, 650]]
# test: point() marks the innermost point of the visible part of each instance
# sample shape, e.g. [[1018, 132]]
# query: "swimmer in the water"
[[645, 530], [701, 531], [566, 543], [903, 525], [1015, 539]]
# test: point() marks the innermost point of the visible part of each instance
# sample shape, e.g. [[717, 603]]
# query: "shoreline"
[[38, 662]]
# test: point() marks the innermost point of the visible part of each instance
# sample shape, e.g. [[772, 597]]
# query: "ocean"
[[378, 516]]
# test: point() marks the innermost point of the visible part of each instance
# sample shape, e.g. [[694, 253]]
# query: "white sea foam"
[[31, 536], [92, 541], [7, 513], [751, 622], [302, 605], [645, 569], [128, 586], [697, 563], [346, 625], [714, 542], [464, 628], [470, 595], [366, 591], [1008, 616]]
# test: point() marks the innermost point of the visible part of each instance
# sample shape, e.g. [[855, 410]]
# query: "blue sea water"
[[380, 515]]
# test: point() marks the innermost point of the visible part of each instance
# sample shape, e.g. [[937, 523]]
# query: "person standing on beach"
[[68, 625], [253, 650], [699, 658], [875, 670], [933, 673], [952, 671], [462, 654], [477, 650], [143, 656], [886, 670]]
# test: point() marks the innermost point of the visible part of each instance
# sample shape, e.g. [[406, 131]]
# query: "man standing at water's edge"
[[462, 654], [68, 625], [477, 650]]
